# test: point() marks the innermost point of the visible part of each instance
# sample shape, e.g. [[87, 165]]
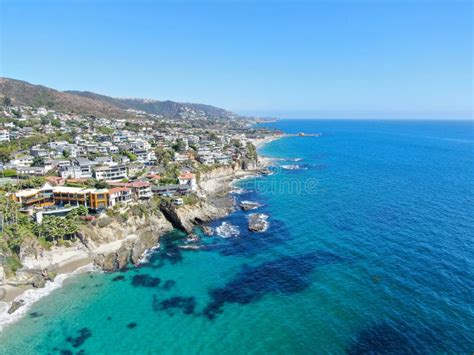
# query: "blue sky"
[[334, 59]]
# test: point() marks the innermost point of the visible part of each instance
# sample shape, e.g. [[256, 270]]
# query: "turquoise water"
[[370, 248]]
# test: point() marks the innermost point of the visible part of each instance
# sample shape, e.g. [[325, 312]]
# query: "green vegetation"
[[236, 143], [179, 146], [251, 151], [105, 130], [18, 227], [38, 161], [191, 199], [33, 182], [129, 155], [8, 173], [168, 180], [163, 156]]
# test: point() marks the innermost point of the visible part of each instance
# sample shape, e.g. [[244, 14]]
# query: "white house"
[[188, 179], [4, 135]]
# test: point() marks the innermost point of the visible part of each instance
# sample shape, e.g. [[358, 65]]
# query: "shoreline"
[[67, 262]]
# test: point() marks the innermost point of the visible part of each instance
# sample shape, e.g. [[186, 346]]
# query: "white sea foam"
[[227, 230], [237, 191], [147, 254], [29, 297], [293, 167]]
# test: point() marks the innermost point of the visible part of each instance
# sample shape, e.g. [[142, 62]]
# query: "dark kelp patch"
[[169, 284], [119, 278], [287, 275], [186, 304], [145, 281], [35, 314], [83, 335], [132, 325]]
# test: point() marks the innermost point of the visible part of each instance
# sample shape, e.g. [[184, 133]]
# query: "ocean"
[[369, 248]]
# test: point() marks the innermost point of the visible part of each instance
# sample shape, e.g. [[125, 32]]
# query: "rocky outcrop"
[[257, 222], [216, 181], [249, 205], [38, 281], [15, 305], [188, 216], [127, 240]]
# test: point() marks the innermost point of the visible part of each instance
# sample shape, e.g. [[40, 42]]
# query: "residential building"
[[141, 190], [119, 195], [91, 198], [188, 179], [118, 172], [4, 135]]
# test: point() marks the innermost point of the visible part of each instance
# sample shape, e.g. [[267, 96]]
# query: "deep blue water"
[[370, 249]]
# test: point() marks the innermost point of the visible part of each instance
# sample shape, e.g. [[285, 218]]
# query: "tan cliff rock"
[[126, 241]]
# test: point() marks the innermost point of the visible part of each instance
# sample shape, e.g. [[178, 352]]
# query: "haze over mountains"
[[89, 103]]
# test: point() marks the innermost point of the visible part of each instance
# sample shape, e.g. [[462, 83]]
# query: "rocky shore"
[[111, 243]]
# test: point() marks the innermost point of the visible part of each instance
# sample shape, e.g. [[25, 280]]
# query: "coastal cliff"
[[187, 217], [122, 236], [127, 240], [109, 242]]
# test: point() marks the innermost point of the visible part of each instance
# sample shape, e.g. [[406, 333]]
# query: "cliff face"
[[217, 181], [126, 241], [188, 216]]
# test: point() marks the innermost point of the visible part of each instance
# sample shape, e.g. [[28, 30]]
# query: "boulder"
[[257, 222], [15, 305], [38, 281], [249, 205]]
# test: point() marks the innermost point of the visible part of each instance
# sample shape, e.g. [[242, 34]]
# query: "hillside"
[[89, 103]]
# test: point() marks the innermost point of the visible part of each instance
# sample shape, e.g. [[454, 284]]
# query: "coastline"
[[67, 262]]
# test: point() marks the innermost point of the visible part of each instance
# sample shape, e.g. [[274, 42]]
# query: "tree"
[[236, 143], [38, 161], [5, 154], [35, 181], [66, 153], [44, 120], [179, 146], [56, 123], [251, 151], [7, 102], [129, 155], [163, 156], [101, 185]]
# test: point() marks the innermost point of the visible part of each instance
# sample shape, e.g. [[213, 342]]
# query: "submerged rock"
[[190, 247], [82, 335], [192, 238], [249, 205], [257, 222]]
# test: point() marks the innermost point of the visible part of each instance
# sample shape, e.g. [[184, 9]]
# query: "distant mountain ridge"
[[89, 103]]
